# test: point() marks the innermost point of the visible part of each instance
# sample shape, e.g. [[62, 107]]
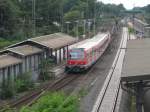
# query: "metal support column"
[[48, 53], [56, 56], [60, 55], [137, 89], [139, 96], [20, 68], [64, 53], [67, 52], [51, 52]]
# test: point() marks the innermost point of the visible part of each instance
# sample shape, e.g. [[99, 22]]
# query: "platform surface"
[[136, 65]]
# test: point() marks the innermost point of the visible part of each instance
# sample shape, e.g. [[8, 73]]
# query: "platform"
[[136, 65]]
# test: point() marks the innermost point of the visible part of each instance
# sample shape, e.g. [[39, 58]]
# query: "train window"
[[76, 54]]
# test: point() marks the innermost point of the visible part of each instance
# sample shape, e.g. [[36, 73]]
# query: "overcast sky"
[[128, 4]]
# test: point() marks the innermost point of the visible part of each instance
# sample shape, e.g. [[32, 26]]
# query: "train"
[[84, 54]]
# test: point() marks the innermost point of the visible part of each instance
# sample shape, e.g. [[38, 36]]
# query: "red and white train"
[[84, 54]]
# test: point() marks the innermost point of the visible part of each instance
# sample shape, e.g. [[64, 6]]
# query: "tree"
[[45, 65], [9, 18]]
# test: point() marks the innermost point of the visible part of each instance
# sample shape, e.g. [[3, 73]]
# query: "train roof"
[[87, 44]]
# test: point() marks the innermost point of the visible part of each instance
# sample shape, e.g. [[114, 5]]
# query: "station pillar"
[[60, 55], [56, 56], [138, 89]]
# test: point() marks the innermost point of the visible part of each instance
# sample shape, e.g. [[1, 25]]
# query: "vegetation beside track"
[[45, 66], [52, 102], [10, 89]]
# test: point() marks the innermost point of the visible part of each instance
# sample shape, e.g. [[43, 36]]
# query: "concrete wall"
[[9, 73], [31, 64]]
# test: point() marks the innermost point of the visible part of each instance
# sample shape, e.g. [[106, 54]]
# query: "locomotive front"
[[76, 60]]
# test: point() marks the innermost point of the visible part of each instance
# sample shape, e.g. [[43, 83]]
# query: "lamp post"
[[67, 22], [33, 17], [77, 32], [84, 28]]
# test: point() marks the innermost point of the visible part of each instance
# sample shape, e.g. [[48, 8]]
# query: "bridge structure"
[[135, 77]]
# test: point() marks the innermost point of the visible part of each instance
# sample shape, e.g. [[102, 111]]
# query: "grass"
[[54, 102], [82, 92]]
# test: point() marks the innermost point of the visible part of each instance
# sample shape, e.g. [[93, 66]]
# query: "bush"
[[54, 102], [7, 90], [24, 82], [45, 66], [5, 42]]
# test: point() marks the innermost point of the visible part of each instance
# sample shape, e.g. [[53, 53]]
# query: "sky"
[[128, 4]]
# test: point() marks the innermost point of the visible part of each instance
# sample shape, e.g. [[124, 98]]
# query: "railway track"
[[107, 99], [31, 97]]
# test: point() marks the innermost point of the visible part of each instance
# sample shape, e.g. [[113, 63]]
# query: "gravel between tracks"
[[91, 83]]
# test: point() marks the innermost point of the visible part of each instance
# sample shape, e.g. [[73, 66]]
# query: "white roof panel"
[[91, 42]]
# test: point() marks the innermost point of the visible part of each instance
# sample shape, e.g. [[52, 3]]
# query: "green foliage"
[[7, 89], [82, 92], [17, 18], [145, 11], [72, 16], [23, 82], [45, 66], [54, 102], [5, 43]]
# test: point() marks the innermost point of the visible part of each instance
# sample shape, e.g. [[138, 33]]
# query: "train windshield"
[[76, 54]]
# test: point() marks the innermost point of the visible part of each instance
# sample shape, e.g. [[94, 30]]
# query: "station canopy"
[[8, 60], [136, 65], [54, 41], [25, 50]]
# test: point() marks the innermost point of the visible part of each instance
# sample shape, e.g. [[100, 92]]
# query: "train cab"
[[76, 59]]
